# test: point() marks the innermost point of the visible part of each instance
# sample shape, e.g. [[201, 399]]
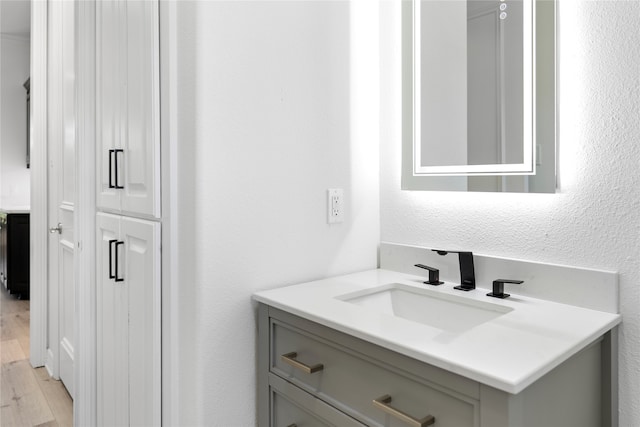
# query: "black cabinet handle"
[[111, 274], [111, 152], [113, 161], [117, 168], [113, 267], [118, 279]]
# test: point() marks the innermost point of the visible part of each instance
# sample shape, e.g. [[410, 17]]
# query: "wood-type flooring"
[[28, 397]]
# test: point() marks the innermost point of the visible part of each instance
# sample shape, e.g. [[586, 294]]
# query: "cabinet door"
[[110, 88], [112, 327], [128, 107], [142, 279], [141, 137], [128, 320]]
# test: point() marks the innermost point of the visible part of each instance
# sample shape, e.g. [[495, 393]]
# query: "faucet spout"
[[467, 271]]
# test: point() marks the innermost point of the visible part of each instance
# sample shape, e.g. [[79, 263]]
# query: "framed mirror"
[[479, 96]]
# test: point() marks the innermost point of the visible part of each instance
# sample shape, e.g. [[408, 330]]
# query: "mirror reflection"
[[471, 71], [470, 67]]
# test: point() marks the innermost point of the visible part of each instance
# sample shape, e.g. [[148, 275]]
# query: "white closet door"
[[128, 107], [141, 143], [110, 87], [112, 325], [142, 279], [128, 320]]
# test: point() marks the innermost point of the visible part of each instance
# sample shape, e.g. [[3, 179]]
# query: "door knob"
[[57, 229]]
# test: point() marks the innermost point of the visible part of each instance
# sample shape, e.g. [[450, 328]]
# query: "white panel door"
[[61, 193], [142, 278], [67, 203], [128, 321], [110, 88], [112, 316], [142, 105]]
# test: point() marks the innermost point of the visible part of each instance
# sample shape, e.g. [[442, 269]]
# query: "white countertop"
[[509, 352], [15, 209]]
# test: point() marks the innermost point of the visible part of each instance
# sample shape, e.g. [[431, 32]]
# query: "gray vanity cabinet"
[[312, 375], [353, 374]]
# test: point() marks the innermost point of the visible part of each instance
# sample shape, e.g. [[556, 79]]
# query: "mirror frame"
[[528, 177]]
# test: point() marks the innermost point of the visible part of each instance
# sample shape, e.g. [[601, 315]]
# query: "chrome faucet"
[[467, 272]]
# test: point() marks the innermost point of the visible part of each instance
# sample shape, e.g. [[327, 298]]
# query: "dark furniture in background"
[[14, 253]]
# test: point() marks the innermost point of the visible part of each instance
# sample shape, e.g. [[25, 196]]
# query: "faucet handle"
[[498, 287], [434, 275]]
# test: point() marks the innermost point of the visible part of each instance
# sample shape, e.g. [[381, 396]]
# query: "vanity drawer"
[[291, 406], [350, 381]]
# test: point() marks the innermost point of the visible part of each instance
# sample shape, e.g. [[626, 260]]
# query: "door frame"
[[85, 374], [174, 403], [39, 229]]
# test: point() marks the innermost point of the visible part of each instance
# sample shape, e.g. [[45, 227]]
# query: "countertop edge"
[[489, 379], [15, 210]]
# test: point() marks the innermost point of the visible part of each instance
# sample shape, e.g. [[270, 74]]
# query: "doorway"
[[50, 315]]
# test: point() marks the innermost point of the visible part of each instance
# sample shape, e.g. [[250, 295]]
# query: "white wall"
[[271, 114], [14, 175], [594, 219]]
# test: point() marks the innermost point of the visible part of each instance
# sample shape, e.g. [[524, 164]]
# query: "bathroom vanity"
[[380, 348]]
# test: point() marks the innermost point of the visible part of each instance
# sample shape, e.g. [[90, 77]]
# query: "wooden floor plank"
[[14, 326], [57, 396], [22, 395], [10, 417], [10, 351], [11, 304], [25, 344], [10, 327], [28, 397], [22, 321]]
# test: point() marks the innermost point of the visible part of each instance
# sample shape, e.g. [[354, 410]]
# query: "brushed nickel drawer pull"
[[290, 358], [383, 403]]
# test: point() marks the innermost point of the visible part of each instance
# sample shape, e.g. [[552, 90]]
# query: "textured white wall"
[[594, 219], [14, 175], [271, 115]]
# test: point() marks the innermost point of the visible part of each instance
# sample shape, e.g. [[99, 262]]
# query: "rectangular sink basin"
[[439, 310]]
